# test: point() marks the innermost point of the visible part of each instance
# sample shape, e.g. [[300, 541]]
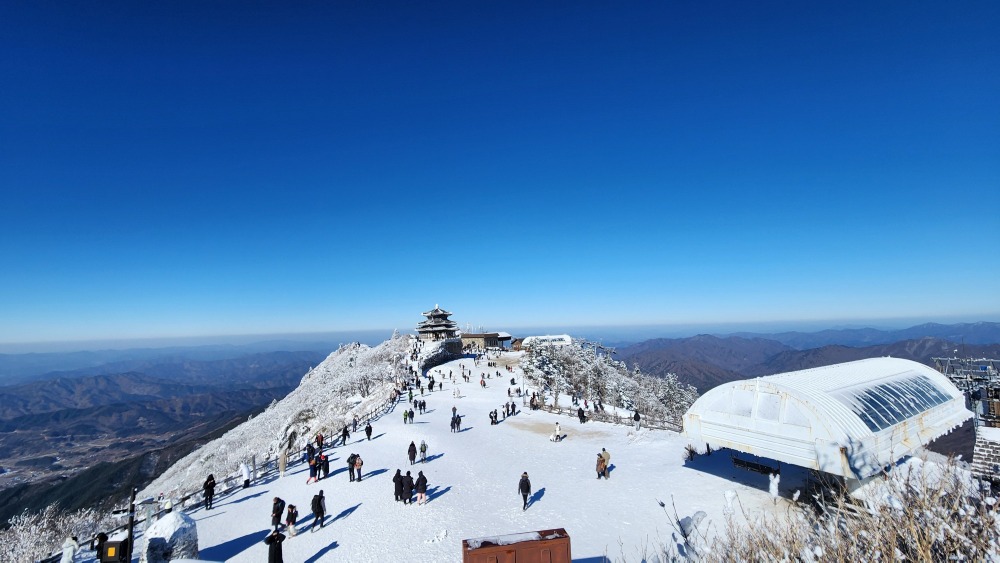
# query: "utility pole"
[[131, 522]]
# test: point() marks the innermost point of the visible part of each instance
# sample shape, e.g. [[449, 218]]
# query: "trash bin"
[[114, 551]]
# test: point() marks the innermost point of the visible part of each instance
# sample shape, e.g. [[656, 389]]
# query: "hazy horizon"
[[606, 333]]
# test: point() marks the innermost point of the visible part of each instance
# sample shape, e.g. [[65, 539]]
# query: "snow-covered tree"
[[579, 369]]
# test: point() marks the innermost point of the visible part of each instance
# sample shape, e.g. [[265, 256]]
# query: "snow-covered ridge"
[[350, 381]]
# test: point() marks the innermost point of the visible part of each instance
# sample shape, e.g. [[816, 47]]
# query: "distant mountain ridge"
[[968, 333]]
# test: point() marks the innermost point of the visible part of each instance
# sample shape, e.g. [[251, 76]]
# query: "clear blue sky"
[[203, 168]]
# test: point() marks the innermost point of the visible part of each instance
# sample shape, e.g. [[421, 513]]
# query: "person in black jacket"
[[412, 453], [524, 487], [209, 488], [397, 481], [350, 465], [421, 487], [407, 488], [277, 511], [368, 431], [319, 511], [273, 541], [326, 465]]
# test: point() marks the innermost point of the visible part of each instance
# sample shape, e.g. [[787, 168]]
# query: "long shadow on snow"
[[379, 436], [375, 472], [345, 513], [467, 428], [433, 457], [536, 497], [319, 554], [433, 492], [233, 547], [239, 500]]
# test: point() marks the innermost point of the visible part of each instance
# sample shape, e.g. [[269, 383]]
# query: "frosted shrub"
[[924, 512], [33, 536]]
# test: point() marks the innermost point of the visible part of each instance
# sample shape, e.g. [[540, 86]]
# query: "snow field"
[[472, 481]]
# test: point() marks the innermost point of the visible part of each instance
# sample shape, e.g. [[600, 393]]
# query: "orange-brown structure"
[[543, 546]]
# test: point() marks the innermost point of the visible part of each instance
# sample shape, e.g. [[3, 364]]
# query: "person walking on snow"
[[607, 462], [411, 452], [421, 487], [635, 417], [423, 451], [406, 415], [344, 436], [524, 487], [318, 510], [368, 431], [277, 511], [601, 465], [290, 519], [69, 549]]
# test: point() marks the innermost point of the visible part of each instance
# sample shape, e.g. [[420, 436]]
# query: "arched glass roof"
[[849, 419]]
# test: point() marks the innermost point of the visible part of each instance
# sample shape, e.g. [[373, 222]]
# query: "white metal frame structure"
[[851, 419]]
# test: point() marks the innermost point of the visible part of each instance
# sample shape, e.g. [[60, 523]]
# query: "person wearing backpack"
[[423, 451], [358, 462], [350, 465], [318, 510]]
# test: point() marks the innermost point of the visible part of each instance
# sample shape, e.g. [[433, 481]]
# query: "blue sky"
[[193, 168]]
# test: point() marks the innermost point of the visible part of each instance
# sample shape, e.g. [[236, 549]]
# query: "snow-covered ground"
[[472, 478]]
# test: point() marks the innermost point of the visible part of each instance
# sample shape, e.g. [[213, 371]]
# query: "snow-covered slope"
[[472, 475], [351, 381]]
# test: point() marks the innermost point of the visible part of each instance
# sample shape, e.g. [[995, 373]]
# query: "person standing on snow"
[[357, 465], [277, 511], [312, 470], [344, 436], [397, 482], [607, 462], [325, 461], [411, 452], [558, 430], [69, 549], [601, 465], [407, 488], [209, 489], [423, 451], [290, 519], [368, 431], [318, 510], [273, 541], [350, 465], [524, 487], [421, 487]]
